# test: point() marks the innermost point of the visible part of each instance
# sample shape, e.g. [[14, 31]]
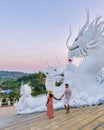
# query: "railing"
[[7, 101]]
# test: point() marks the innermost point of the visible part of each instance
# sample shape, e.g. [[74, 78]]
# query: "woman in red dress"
[[49, 104]]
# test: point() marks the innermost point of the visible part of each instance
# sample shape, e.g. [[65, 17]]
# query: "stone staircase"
[[86, 118]]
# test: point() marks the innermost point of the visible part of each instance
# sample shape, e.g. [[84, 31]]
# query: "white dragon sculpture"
[[27, 103], [56, 74], [89, 44], [86, 80]]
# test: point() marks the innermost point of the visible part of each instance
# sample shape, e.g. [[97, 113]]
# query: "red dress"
[[50, 111]]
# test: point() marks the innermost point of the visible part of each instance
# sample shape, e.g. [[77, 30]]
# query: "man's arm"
[[61, 97]]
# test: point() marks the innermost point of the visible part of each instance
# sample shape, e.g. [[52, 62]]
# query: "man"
[[66, 95]]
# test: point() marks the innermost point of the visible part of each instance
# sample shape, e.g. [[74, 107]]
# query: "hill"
[[11, 74]]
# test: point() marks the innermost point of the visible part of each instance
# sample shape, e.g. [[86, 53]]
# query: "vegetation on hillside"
[[36, 81]]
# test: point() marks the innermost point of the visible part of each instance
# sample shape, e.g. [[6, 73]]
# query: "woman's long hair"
[[51, 95]]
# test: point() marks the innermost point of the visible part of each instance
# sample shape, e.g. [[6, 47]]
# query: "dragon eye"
[[76, 39]]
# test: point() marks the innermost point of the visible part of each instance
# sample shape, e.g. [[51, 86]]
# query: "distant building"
[[8, 91]]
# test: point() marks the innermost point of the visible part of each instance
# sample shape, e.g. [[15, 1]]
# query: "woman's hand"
[[59, 99]]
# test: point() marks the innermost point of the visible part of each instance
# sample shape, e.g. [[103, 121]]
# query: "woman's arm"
[[47, 102], [55, 98]]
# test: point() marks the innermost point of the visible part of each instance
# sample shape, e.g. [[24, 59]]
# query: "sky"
[[33, 32]]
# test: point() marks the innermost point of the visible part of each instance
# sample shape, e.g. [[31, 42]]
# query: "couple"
[[49, 103]]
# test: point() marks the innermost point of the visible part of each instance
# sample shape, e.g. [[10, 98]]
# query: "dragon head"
[[89, 37], [25, 90], [51, 71]]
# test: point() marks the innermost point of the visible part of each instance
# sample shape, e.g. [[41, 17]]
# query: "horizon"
[[33, 33]]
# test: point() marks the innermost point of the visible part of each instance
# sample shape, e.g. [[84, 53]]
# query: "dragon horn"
[[86, 24], [68, 38]]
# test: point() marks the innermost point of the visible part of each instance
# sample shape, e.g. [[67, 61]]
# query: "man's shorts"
[[66, 101]]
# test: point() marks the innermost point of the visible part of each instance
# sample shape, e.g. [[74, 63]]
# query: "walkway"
[[87, 118]]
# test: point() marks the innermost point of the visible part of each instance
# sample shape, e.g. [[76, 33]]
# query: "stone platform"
[[86, 118]]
